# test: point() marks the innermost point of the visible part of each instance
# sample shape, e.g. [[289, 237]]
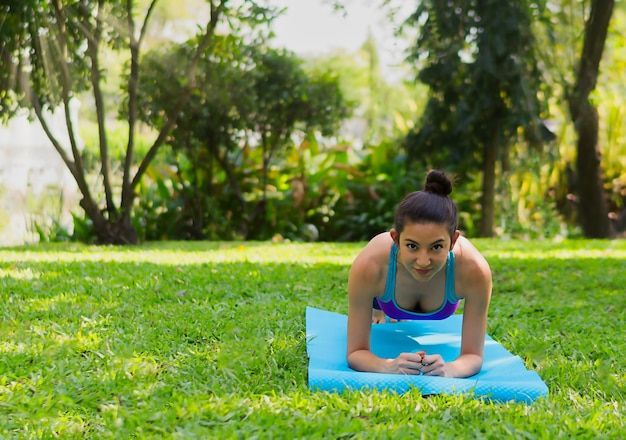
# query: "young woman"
[[420, 269]]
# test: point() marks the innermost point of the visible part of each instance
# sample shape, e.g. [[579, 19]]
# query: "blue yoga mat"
[[503, 376]]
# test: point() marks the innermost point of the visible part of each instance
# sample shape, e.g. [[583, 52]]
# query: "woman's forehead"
[[425, 231]]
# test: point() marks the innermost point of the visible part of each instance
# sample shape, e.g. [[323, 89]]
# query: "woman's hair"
[[431, 204]]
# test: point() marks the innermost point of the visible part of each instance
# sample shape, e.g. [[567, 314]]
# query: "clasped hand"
[[418, 363]]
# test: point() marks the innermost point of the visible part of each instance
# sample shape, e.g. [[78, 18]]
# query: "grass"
[[206, 340]]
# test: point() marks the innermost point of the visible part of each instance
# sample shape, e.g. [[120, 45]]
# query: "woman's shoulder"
[[472, 273], [373, 259], [469, 262]]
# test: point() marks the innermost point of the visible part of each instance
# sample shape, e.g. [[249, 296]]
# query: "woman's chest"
[[421, 297]]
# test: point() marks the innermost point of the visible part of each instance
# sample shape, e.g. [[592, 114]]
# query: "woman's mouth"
[[422, 271]]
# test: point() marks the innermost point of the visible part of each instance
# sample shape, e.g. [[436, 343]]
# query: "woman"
[[420, 269]]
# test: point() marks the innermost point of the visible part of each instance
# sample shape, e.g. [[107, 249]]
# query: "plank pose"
[[420, 269]]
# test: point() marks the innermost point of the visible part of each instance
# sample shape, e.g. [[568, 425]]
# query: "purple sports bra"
[[388, 301]]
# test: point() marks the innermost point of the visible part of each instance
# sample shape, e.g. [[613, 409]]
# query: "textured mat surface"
[[502, 378]]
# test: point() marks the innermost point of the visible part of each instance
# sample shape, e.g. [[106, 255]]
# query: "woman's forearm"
[[365, 360], [465, 365]]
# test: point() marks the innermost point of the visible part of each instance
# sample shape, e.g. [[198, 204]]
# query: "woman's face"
[[423, 248]]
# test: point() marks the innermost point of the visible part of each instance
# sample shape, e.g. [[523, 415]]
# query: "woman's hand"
[[407, 363], [433, 365], [419, 363]]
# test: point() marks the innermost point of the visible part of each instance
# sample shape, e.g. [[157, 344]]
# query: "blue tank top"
[[388, 301]]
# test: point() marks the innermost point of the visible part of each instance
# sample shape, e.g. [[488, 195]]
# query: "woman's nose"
[[422, 259]]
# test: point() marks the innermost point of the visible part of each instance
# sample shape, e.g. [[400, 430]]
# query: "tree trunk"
[[593, 211], [119, 232], [487, 203], [592, 206]]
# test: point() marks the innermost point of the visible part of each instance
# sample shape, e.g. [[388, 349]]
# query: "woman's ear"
[[455, 237], [395, 236]]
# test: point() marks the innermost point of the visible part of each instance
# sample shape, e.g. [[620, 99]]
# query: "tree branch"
[[144, 28], [93, 49], [79, 172], [593, 46], [133, 80], [216, 12]]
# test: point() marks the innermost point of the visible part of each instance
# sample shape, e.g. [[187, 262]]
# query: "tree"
[[478, 59], [51, 52], [592, 206], [248, 102]]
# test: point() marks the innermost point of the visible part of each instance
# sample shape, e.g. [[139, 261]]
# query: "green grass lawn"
[[206, 340]]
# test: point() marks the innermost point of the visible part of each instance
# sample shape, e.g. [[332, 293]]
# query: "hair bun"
[[438, 183]]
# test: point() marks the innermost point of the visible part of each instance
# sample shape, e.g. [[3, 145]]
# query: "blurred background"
[[308, 120]]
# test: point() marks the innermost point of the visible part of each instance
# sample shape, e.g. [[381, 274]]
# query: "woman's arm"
[[473, 333], [476, 279], [363, 286]]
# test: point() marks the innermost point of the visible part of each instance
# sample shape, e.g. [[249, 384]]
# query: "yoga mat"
[[503, 376]]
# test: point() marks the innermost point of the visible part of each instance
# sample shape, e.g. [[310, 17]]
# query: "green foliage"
[[46, 221], [316, 186], [207, 340], [55, 65], [117, 139], [83, 230], [387, 108], [609, 95], [310, 183], [51, 52], [249, 102], [478, 60], [170, 208], [53, 231], [526, 200], [253, 154], [372, 193]]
